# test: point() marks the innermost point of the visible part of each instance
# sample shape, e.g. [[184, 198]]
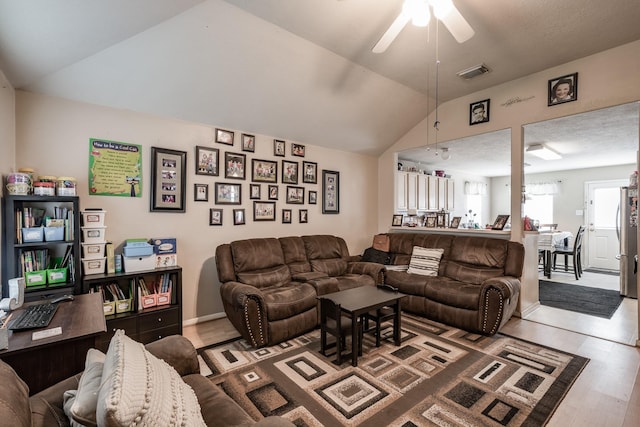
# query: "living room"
[[51, 133]]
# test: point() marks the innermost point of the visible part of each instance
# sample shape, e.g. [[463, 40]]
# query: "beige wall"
[[606, 79], [7, 132], [53, 138]]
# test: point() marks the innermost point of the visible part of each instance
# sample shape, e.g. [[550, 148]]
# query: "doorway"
[[602, 244]]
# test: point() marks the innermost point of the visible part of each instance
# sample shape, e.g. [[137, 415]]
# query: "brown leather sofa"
[[478, 281], [45, 408], [270, 285]]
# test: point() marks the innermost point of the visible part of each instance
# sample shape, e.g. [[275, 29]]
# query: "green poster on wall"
[[115, 168]]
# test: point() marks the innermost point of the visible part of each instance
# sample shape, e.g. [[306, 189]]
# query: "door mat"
[[581, 299]]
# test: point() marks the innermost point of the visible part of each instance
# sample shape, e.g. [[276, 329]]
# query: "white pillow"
[[83, 407], [140, 389], [425, 261]]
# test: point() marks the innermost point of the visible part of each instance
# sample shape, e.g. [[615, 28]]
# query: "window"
[[606, 205], [539, 208], [474, 204]]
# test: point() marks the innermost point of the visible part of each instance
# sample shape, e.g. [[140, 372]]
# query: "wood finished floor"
[[607, 393]]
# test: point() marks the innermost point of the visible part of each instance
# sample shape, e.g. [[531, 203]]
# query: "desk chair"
[[334, 323], [576, 253], [378, 316]]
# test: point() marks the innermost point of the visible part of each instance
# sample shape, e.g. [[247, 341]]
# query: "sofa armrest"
[[507, 285], [325, 285], [498, 299], [375, 270], [178, 352], [246, 310]]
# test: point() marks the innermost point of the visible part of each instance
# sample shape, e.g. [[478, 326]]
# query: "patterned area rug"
[[439, 376]]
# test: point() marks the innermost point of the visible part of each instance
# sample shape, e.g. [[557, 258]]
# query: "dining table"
[[548, 242]]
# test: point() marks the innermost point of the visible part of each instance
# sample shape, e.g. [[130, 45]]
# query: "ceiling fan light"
[[446, 155], [421, 19], [418, 11], [441, 8]]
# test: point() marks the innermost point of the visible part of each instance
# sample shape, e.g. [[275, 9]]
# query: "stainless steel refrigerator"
[[628, 241]]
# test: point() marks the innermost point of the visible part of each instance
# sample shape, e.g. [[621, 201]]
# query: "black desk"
[[42, 363]]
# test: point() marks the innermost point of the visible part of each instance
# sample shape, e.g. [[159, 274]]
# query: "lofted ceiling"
[[297, 70]]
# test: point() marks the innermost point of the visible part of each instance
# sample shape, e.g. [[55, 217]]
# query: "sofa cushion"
[[83, 406], [294, 254], [331, 267], [425, 262], [266, 277], [218, 409], [286, 301], [14, 397], [140, 389], [256, 254]]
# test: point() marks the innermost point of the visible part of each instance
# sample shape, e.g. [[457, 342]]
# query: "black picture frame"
[[479, 112], [313, 197], [309, 172], [224, 136], [254, 191], [248, 143], [239, 217], [303, 216], [264, 211], [298, 150], [279, 147], [168, 180], [289, 172], [455, 222], [215, 216], [234, 165], [295, 195], [567, 86], [330, 192], [207, 160], [228, 193], [396, 221], [286, 216], [273, 192], [264, 170], [200, 192], [500, 222], [430, 221]]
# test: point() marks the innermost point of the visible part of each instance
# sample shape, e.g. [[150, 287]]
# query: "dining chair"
[[335, 323], [379, 316], [575, 251]]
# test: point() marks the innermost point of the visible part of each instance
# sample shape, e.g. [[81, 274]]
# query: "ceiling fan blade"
[[391, 34], [457, 25]]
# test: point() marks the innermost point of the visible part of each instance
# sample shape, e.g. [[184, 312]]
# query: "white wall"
[[7, 131], [606, 79], [53, 138]]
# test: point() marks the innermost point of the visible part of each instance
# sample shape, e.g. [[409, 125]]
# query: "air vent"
[[472, 72]]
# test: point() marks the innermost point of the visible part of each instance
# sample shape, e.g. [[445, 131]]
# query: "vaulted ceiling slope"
[[297, 70]]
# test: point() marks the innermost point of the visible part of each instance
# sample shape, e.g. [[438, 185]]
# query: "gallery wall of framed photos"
[[285, 185]]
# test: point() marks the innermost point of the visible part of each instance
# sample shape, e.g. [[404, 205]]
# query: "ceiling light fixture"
[[543, 152], [446, 155]]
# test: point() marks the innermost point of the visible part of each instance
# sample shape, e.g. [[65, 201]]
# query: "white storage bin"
[[93, 234], [139, 263], [93, 266], [93, 218], [93, 250]]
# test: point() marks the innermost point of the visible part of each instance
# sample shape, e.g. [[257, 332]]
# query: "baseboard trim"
[[530, 309], [201, 319]]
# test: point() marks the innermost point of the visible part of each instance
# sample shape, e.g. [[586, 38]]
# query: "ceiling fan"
[[417, 11]]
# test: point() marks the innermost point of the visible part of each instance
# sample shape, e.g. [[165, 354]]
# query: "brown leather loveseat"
[[477, 284], [270, 285]]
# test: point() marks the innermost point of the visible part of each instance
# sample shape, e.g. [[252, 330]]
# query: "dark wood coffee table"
[[358, 301]]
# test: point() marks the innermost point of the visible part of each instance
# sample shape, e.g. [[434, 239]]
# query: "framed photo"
[[207, 161], [215, 216], [289, 172], [303, 216], [397, 220], [430, 221], [224, 136], [248, 143], [563, 89], [500, 222], [228, 194], [313, 197], [264, 211], [238, 217], [264, 170], [441, 219], [295, 195], [455, 222], [310, 172], [278, 147], [297, 150], [168, 180], [201, 192], [286, 216], [330, 192], [234, 165], [479, 112], [254, 191], [273, 192]]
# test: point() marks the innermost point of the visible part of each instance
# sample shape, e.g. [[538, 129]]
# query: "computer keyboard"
[[34, 316]]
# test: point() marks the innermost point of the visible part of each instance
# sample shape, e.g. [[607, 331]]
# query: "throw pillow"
[[425, 262], [140, 389], [374, 255], [82, 407]]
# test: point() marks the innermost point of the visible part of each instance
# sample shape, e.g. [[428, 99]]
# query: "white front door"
[[602, 216]]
